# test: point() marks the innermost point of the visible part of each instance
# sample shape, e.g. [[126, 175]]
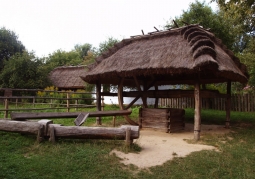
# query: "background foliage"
[[233, 22]]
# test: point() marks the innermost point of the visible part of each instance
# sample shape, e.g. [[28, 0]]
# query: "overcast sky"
[[45, 26]]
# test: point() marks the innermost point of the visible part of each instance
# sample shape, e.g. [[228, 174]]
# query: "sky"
[[44, 26]]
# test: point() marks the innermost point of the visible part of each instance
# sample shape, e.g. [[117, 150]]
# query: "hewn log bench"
[[125, 132], [46, 128], [23, 127]]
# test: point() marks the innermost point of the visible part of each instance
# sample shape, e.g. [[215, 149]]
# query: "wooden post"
[[40, 134], [228, 104], [76, 103], [114, 121], [33, 102], [98, 102], [120, 100], [51, 102], [52, 134], [16, 102], [144, 97], [156, 99], [102, 106], [197, 115], [68, 102], [129, 141], [6, 107]]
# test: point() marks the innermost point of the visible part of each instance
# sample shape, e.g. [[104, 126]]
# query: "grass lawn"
[[22, 158]]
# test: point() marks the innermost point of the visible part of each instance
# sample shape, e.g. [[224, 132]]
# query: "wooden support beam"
[[144, 98], [228, 105], [19, 116], [136, 94], [120, 93], [120, 100], [98, 102], [156, 99], [169, 94], [197, 114]]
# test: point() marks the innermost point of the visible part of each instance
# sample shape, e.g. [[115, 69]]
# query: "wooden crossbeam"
[[51, 115]]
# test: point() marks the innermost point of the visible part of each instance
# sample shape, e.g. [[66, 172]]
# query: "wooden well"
[[163, 119]]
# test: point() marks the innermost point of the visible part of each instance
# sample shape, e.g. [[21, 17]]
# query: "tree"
[[9, 45], [83, 49], [104, 46], [202, 14], [241, 13], [23, 70], [63, 58]]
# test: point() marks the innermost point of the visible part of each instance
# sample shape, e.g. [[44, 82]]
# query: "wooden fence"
[[239, 102], [55, 102]]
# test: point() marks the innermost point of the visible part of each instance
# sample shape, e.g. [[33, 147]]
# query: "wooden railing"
[[239, 102], [35, 103]]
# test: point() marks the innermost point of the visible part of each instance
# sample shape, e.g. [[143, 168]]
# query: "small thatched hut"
[[68, 77], [187, 55]]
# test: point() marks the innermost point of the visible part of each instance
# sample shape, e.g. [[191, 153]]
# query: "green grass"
[[21, 157]]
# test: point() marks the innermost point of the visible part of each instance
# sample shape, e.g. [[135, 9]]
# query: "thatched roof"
[[175, 56], [68, 77]]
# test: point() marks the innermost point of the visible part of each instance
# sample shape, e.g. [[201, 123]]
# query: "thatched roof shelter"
[[174, 56], [68, 77], [187, 55]]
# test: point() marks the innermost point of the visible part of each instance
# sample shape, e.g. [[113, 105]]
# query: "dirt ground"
[[159, 147]]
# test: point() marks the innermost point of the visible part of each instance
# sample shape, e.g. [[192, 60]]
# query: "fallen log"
[[93, 132], [21, 116]]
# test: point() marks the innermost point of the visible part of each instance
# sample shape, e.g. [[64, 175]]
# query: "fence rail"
[[50, 100], [239, 102]]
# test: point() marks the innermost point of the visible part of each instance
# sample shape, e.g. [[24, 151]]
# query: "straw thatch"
[[176, 56], [68, 77]]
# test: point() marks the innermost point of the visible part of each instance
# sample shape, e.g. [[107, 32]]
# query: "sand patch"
[[159, 147]]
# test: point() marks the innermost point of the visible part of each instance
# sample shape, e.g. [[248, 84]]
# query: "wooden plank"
[[52, 115], [176, 119], [81, 119], [155, 125], [155, 120]]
